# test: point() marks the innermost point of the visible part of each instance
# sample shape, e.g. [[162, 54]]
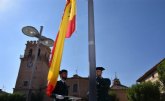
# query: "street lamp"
[[33, 32]]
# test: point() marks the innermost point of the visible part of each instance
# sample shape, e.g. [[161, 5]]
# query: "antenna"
[[77, 70], [3, 87], [115, 75]]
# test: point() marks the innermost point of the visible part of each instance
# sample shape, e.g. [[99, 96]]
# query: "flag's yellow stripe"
[[73, 9]]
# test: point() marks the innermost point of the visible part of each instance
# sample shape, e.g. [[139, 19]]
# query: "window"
[[29, 64], [75, 86], [39, 51], [153, 75], [30, 52], [25, 83]]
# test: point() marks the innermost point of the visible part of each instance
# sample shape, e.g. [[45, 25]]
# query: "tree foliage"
[[161, 72], [12, 97], [37, 96], [113, 96], [146, 91]]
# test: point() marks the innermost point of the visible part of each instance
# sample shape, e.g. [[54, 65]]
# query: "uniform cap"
[[62, 71], [100, 68]]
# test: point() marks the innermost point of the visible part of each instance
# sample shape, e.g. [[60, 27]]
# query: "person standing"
[[61, 89], [103, 85]]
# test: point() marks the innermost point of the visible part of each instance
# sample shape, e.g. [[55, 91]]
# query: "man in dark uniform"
[[102, 85], [61, 88]]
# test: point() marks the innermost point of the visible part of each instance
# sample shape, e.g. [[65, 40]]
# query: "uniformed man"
[[102, 85], [61, 88]]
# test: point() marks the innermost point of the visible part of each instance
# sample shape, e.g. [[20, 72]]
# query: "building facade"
[[39, 79], [78, 86], [119, 89], [151, 75]]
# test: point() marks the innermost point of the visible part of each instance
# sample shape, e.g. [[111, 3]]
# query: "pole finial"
[[77, 70]]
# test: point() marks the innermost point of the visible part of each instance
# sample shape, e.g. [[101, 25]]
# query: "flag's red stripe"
[[53, 50], [49, 89], [71, 27]]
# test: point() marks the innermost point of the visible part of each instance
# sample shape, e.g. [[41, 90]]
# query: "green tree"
[[38, 96], [146, 91], [113, 96], [12, 97], [161, 73], [16, 97], [4, 97]]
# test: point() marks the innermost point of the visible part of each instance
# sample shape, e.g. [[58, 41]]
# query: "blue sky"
[[129, 36]]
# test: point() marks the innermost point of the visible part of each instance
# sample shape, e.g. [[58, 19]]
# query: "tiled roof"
[[77, 77]]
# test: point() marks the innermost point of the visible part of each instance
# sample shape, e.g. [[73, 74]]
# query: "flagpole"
[[92, 57]]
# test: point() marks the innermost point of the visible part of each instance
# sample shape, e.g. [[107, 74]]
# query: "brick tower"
[[39, 79]]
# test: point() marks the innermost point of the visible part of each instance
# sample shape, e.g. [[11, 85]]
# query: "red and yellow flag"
[[66, 29], [72, 19]]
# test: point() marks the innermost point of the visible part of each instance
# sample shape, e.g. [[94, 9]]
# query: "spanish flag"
[[72, 19], [66, 29]]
